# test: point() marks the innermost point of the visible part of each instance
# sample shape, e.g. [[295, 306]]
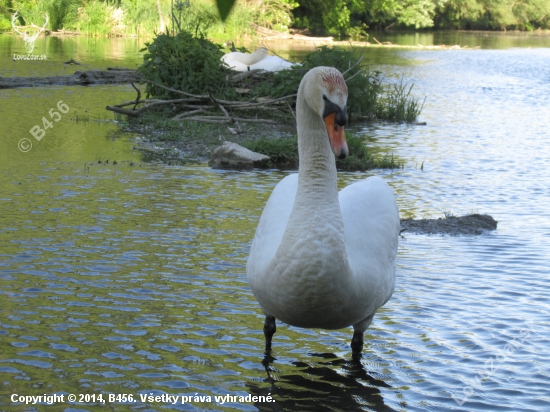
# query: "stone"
[[233, 156]]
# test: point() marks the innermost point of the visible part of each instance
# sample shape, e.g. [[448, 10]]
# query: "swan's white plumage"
[[242, 62], [322, 258], [272, 224], [272, 64]]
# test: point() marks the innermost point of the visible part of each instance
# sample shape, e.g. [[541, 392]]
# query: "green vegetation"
[[354, 17], [341, 18], [147, 17], [368, 99], [185, 62], [398, 105], [284, 153], [191, 63]]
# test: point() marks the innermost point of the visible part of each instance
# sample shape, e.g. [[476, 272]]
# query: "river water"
[[129, 278]]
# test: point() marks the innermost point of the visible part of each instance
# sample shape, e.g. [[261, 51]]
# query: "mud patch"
[[464, 225]]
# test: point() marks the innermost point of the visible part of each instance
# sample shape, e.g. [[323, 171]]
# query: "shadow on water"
[[334, 385]]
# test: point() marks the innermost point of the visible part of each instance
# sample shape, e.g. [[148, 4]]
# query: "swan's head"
[[327, 94], [261, 52]]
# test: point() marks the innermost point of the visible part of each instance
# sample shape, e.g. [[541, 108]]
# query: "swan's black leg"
[[356, 344], [269, 330]]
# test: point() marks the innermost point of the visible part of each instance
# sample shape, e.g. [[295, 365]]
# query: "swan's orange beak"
[[336, 136]]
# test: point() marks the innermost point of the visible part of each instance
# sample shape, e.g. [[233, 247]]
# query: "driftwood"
[[203, 107], [76, 79]]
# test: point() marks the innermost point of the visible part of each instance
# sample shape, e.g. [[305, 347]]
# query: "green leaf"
[[224, 7]]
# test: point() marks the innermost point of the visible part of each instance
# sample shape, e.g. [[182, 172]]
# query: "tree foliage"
[[347, 17], [331, 17]]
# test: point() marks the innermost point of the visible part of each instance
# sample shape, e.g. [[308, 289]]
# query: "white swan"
[[323, 259], [239, 61], [272, 64]]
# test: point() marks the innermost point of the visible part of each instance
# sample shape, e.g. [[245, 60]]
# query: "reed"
[[398, 104]]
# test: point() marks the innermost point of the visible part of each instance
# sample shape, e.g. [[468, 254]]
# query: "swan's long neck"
[[317, 178], [314, 236]]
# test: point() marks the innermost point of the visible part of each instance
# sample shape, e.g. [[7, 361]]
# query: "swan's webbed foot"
[[269, 330], [356, 344]]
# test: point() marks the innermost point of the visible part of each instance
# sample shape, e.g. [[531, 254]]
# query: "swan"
[[322, 258], [272, 64], [239, 61]]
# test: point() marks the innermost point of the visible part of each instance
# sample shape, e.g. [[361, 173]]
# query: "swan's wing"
[[272, 64], [371, 224], [272, 225]]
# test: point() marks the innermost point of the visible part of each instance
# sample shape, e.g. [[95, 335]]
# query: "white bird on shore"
[[239, 61], [242, 62], [272, 64], [322, 258]]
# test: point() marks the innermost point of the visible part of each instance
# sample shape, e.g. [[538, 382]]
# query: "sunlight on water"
[[129, 278]]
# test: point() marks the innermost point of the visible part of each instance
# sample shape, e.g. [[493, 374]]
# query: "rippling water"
[[130, 278]]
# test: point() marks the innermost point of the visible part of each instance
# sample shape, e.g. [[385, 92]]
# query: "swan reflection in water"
[[334, 385]]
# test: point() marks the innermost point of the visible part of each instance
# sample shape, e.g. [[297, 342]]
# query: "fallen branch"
[[356, 63], [118, 109], [227, 120], [138, 95], [158, 101], [126, 111], [238, 77], [290, 108], [186, 114], [219, 105], [198, 96]]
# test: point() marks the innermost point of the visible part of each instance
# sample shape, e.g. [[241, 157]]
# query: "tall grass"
[[141, 17], [397, 104]]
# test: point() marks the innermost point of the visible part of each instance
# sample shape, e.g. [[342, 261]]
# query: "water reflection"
[[326, 382], [130, 277]]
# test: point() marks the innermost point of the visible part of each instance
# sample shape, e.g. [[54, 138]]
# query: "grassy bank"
[[192, 125], [192, 142]]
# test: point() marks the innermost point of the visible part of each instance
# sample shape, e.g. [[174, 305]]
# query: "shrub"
[[184, 62], [363, 85]]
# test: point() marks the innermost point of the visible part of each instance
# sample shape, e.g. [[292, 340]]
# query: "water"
[[129, 278]]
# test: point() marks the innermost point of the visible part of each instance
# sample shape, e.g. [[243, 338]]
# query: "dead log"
[[77, 79]]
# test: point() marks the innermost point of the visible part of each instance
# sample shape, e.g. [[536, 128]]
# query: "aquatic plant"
[[397, 104]]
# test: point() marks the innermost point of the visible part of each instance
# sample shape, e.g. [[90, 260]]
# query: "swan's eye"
[[325, 97]]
